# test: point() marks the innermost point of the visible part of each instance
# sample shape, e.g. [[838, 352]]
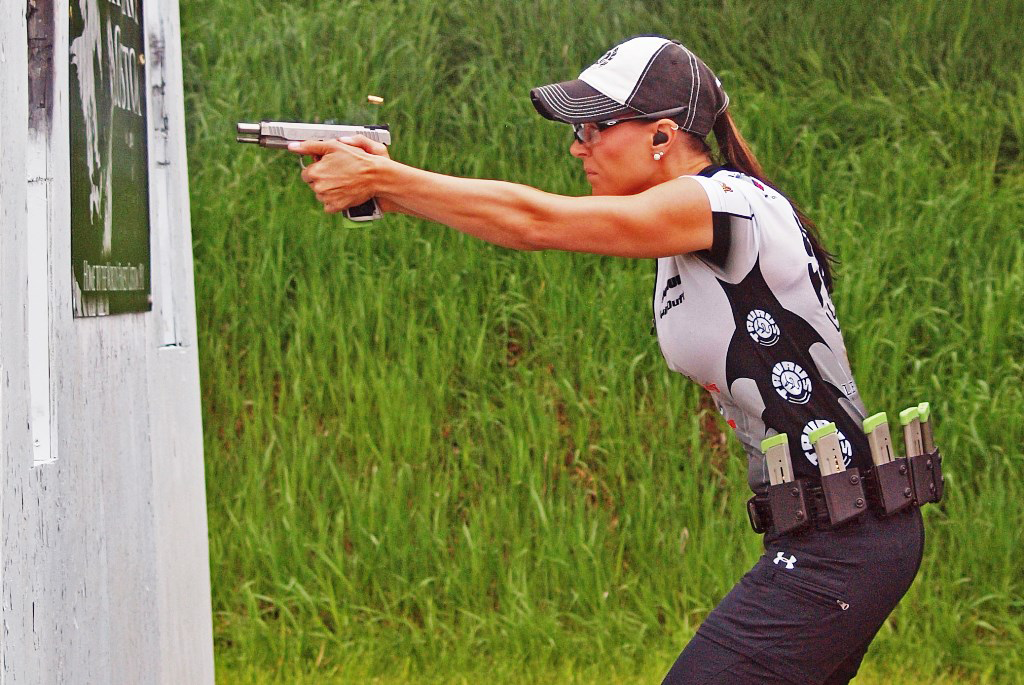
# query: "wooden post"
[[103, 561]]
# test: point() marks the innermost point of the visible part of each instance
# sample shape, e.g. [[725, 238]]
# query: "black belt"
[[843, 497], [804, 490]]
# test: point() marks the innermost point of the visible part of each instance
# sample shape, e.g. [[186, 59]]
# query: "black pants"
[[808, 609]]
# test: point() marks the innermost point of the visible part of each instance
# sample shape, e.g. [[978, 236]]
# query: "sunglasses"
[[589, 133]]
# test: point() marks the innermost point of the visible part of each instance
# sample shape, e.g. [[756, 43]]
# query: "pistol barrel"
[[248, 133]]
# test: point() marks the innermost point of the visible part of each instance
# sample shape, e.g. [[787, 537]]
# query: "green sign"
[[109, 166]]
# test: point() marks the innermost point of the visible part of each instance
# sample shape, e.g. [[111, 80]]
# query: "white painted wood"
[[15, 407], [37, 206], [183, 590], [103, 560]]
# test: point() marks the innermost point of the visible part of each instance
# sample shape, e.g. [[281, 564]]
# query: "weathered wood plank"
[[14, 398], [183, 590], [103, 561]]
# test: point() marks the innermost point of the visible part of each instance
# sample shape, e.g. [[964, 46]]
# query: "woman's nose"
[[578, 149]]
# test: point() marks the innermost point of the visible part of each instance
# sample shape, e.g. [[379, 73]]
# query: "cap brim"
[[576, 102]]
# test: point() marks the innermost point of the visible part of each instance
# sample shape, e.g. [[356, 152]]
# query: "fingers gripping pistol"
[[278, 134]]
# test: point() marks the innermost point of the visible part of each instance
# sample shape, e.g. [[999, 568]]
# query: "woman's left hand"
[[340, 176]]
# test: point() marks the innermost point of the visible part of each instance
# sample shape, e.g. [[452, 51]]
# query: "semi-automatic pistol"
[[278, 135]]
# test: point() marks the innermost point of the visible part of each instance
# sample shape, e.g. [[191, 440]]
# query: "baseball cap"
[[640, 76]]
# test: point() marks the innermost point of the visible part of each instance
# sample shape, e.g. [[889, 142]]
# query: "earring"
[[657, 156]]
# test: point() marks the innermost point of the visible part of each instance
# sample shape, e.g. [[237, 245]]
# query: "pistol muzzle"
[[250, 133]]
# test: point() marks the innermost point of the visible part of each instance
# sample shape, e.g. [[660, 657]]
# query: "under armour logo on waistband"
[[788, 561]]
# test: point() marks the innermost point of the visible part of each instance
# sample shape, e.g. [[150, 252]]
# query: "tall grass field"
[[433, 460]]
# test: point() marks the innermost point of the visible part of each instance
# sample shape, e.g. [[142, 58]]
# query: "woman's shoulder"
[[760, 200]]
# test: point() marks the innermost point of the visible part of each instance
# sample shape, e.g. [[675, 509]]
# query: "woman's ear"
[[661, 136]]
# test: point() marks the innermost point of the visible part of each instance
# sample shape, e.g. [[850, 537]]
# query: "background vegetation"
[[434, 460]]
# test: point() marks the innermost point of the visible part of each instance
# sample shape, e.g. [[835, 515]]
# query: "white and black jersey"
[[750, 319]]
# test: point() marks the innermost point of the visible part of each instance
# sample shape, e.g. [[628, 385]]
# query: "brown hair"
[[737, 155]]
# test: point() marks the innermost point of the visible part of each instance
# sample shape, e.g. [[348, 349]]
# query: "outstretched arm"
[[671, 218]]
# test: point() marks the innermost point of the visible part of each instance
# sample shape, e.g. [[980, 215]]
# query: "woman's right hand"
[[341, 176]]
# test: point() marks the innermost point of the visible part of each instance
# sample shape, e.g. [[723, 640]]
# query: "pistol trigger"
[[302, 160]]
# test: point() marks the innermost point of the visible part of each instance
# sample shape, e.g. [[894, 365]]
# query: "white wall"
[[103, 561]]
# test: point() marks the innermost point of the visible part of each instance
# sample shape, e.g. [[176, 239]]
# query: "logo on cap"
[[608, 56]]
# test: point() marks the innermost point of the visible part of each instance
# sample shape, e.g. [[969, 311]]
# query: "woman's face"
[[620, 161]]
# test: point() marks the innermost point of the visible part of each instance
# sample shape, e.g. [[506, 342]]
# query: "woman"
[[741, 306]]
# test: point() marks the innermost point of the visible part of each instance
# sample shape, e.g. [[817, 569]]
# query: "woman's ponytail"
[[738, 155]]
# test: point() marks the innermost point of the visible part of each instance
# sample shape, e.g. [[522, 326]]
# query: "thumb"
[[366, 145], [318, 148]]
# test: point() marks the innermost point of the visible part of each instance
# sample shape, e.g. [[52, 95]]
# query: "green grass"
[[570, 673], [430, 459]]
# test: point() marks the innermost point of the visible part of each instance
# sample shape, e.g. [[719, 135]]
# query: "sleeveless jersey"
[[750, 319]]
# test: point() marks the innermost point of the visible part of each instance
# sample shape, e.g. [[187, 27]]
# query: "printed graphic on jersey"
[[817, 278], [757, 184], [762, 328], [805, 442], [793, 389], [791, 382], [672, 283], [670, 304]]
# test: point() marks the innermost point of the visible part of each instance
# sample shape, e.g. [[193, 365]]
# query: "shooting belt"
[[840, 498]]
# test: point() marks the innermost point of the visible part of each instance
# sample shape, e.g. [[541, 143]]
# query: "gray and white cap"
[[640, 76]]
